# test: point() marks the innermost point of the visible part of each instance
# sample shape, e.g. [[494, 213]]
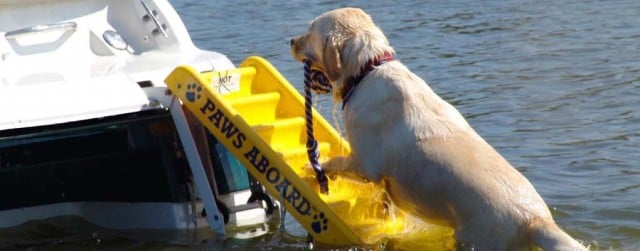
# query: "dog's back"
[[440, 167]]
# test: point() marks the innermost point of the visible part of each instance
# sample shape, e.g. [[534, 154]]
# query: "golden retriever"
[[434, 164]]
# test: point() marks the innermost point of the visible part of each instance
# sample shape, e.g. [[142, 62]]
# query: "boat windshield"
[[134, 157]]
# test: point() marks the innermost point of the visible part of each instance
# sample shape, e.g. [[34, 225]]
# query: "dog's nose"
[[292, 41]]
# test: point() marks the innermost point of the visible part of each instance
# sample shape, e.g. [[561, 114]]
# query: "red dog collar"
[[355, 80]]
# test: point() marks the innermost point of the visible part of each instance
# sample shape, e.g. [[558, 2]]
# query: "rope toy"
[[316, 81]]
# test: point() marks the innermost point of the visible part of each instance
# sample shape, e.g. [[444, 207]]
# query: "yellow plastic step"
[[297, 156], [282, 133], [257, 108]]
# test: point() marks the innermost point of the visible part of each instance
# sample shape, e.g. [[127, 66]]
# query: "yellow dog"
[[433, 162]]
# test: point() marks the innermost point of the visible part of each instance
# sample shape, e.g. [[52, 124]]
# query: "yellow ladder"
[[259, 117]]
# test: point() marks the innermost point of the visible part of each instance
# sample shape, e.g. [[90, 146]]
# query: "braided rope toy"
[[318, 82]]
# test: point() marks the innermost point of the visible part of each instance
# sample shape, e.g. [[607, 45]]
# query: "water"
[[553, 85]]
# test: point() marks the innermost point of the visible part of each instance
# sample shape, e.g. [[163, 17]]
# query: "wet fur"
[[433, 162]]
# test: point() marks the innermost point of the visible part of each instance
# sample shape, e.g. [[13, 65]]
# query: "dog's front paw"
[[327, 167]]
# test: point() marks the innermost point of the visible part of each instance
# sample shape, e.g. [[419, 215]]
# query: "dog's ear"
[[331, 59], [362, 46]]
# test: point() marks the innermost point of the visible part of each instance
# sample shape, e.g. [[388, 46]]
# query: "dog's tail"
[[548, 236]]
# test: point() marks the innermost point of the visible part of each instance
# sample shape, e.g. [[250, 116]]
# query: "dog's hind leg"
[[548, 236]]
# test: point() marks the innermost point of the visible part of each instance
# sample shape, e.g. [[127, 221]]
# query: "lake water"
[[553, 85]]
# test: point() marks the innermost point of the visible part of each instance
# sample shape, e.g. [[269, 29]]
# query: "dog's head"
[[339, 43]]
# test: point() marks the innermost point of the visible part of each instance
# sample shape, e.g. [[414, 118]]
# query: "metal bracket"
[[41, 28], [151, 15]]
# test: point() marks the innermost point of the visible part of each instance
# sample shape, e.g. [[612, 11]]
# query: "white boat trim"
[[50, 103]]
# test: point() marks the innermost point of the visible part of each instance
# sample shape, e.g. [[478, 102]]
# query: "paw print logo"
[[319, 223], [193, 92]]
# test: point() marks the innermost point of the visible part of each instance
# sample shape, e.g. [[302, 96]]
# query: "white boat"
[[88, 129]]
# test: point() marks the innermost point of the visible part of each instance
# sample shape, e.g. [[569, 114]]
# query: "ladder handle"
[[41, 28]]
